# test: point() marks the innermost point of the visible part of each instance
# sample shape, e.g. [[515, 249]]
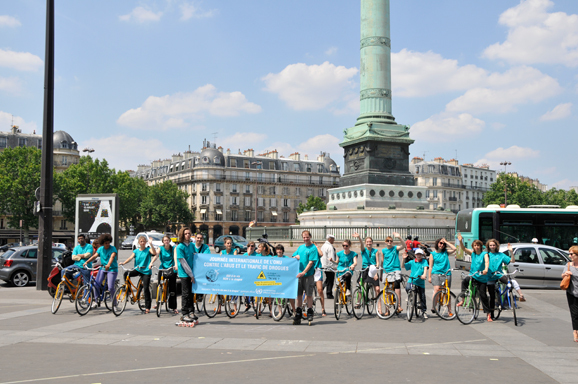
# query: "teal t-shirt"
[[495, 269], [307, 254], [345, 261], [142, 260], [478, 265], [78, 250], [166, 257], [441, 263], [252, 254], [224, 252], [185, 252], [204, 248], [391, 259], [417, 269], [368, 258], [105, 255]]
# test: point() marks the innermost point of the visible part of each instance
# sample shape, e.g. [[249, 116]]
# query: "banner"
[[262, 276]]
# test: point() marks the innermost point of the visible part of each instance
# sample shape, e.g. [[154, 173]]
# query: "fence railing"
[[293, 233]]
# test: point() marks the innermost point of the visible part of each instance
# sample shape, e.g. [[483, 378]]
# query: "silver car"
[[18, 265], [540, 266]]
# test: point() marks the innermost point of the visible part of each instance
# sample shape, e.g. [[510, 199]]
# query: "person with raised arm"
[[391, 264], [478, 272], [142, 266]]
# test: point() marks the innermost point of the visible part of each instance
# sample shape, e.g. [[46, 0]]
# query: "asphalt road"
[[37, 346]]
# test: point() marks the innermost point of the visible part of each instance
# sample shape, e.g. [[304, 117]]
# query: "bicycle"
[[316, 299], [281, 306], [85, 296], [363, 296], [260, 303], [66, 284], [505, 298], [162, 291], [443, 298], [232, 305], [128, 289], [341, 297], [467, 303], [414, 304], [388, 298]]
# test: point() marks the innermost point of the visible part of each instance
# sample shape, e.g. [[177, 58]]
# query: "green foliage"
[[163, 203], [525, 194], [19, 178], [131, 192], [312, 202]]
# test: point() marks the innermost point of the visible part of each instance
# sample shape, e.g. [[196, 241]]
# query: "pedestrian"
[[142, 266], [572, 291], [328, 260], [408, 243], [185, 252]]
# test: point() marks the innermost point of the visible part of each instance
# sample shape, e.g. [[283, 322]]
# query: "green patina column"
[[376, 148]]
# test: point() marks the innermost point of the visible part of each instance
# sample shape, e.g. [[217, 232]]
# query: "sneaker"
[[187, 318], [309, 314], [433, 311], [297, 320], [348, 293], [425, 316]]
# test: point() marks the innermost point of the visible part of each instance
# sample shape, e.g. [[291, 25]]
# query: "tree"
[[131, 192], [313, 202], [519, 192], [19, 178], [163, 203]]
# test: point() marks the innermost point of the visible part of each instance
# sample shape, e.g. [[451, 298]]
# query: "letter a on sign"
[[261, 276]]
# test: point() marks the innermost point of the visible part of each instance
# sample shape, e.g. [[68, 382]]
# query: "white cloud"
[[242, 141], [190, 10], [511, 154], [320, 143], [565, 184], [425, 74], [498, 126], [445, 127], [181, 109], [9, 21], [311, 87], [22, 61], [125, 152], [141, 15], [10, 85], [536, 36], [560, 111], [25, 126], [504, 91], [331, 51]]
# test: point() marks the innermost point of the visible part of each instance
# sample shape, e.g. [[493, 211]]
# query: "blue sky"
[[140, 80]]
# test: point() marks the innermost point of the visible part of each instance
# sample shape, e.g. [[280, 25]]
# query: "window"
[[308, 167], [248, 201], [217, 160], [22, 141], [219, 216], [321, 192], [261, 189], [309, 192], [247, 215], [246, 164], [31, 254], [273, 202], [261, 202], [234, 188], [204, 187], [218, 200], [3, 142], [234, 200], [272, 190], [285, 190], [319, 168], [285, 217], [218, 187], [260, 216], [320, 179], [194, 187], [62, 224], [434, 181], [247, 188], [526, 255], [205, 199], [233, 215], [272, 165], [64, 160], [234, 163], [204, 215], [427, 193], [285, 167], [444, 193], [296, 167], [435, 206], [298, 191], [435, 193], [2, 224], [296, 203], [551, 257], [285, 202], [247, 176]]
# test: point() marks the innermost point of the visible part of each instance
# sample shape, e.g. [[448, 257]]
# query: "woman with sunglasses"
[[370, 256], [391, 264], [439, 263], [346, 259], [572, 291], [478, 271]]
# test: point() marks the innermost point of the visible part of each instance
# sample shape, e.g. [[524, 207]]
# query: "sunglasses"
[[389, 241], [345, 245], [572, 253], [251, 246]]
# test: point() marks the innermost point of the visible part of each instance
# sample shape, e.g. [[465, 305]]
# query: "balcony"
[[453, 198]]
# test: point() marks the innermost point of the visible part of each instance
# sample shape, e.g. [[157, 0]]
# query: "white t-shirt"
[[328, 254]]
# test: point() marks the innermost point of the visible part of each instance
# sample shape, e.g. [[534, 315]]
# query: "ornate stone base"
[[377, 196]]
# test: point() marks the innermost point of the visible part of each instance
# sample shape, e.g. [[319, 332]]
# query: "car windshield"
[[239, 238], [130, 239], [156, 237]]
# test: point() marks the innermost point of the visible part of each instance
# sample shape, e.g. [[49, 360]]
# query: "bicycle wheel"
[[466, 307], [258, 306], [337, 304], [107, 300], [442, 304], [371, 299], [387, 304], [356, 304], [232, 306], [500, 304], [513, 305], [120, 300], [278, 309], [410, 304], [84, 300], [159, 299], [57, 299], [199, 302], [211, 304]]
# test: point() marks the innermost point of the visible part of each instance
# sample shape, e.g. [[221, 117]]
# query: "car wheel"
[[20, 279], [217, 249]]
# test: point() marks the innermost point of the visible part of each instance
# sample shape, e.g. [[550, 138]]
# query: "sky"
[[483, 82]]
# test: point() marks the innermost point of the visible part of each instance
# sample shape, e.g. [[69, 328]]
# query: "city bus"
[[550, 225]]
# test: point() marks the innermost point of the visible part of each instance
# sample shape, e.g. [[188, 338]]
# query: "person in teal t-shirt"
[[185, 252], [229, 250], [346, 261], [166, 254], [307, 254], [439, 264], [251, 249], [478, 272], [199, 247], [81, 252], [370, 257], [108, 261], [418, 268], [142, 266], [391, 265], [498, 258]]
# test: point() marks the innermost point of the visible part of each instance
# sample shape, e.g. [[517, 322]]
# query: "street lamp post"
[[505, 164], [256, 164]]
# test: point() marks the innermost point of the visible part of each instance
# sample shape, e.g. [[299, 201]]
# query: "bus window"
[[464, 221], [559, 234], [486, 227]]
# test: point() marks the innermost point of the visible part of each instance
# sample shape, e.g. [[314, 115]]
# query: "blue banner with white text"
[[262, 276]]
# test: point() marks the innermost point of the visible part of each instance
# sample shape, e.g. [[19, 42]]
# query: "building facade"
[[451, 185], [227, 191], [535, 182], [65, 151]]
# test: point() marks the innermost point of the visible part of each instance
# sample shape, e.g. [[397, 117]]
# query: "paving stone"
[[284, 345], [237, 344], [198, 343], [331, 346]]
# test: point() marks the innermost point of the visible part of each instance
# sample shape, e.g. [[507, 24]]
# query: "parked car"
[[156, 236], [127, 243], [5, 247], [539, 266], [239, 242], [18, 264]]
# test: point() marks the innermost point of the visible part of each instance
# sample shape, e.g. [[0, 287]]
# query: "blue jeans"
[[84, 272]]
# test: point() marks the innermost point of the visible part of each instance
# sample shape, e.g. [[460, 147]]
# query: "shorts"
[[440, 280], [394, 277], [318, 275], [307, 284], [369, 280]]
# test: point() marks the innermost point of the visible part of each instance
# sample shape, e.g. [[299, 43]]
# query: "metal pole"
[[45, 221]]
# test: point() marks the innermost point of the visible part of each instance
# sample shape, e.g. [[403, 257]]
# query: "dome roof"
[[62, 139], [330, 165], [212, 156]]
